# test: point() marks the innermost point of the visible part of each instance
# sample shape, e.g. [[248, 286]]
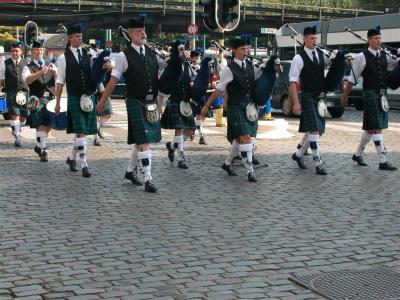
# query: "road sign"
[[268, 30], [192, 29]]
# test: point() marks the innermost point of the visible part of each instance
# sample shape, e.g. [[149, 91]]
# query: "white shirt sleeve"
[[25, 73], [257, 72], [225, 77], [295, 68], [61, 69], [358, 66], [121, 65], [2, 70], [392, 63]]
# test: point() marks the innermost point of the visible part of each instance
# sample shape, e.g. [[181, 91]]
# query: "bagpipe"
[[98, 74], [338, 60], [266, 83], [202, 81], [393, 79]]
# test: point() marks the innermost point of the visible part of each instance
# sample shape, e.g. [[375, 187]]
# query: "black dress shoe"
[[96, 142], [132, 176], [17, 143], [255, 160], [150, 187], [44, 156], [387, 166], [182, 165], [72, 164], [299, 160], [320, 171], [359, 159], [251, 177], [171, 151], [202, 141], [85, 172], [228, 169], [37, 150]]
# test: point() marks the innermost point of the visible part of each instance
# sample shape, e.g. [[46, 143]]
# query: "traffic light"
[[209, 14], [228, 14], [31, 33]]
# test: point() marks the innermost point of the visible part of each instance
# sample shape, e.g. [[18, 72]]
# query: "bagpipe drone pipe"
[[336, 70], [98, 74], [202, 81], [266, 83]]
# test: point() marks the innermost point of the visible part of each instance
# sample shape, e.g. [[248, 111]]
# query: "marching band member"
[[139, 66], [308, 66], [74, 71], [372, 65], [239, 79], [40, 77], [12, 83], [173, 117]]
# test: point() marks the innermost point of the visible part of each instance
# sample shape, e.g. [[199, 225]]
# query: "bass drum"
[[60, 121]]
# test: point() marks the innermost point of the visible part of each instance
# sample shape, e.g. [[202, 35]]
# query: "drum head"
[[52, 104]]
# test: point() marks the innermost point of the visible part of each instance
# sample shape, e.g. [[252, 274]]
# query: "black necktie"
[[141, 53], [79, 55], [243, 65], [377, 54], [314, 57]]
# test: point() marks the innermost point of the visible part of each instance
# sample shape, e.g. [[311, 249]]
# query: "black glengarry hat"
[[37, 44], [374, 31], [137, 23], [237, 42], [310, 30], [75, 28]]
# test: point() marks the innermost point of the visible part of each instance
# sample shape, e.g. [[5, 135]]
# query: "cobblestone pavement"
[[204, 235]]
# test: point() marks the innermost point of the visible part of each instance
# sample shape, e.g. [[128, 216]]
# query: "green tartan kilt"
[[310, 120], [80, 122], [238, 124], [140, 131], [108, 107], [173, 119], [374, 116], [14, 108], [40, 117]]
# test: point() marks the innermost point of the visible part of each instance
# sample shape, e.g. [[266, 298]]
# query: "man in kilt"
[[139, 66], [12, 84], [40, 77], [74, 70], [308, 66], [372, 65], [173, 118], [239, 80]]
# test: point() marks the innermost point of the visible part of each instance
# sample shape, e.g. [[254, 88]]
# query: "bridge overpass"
[[163, 15]]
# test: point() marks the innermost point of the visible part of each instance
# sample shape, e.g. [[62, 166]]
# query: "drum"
[[58, 122], [3, 103], [218, 102]]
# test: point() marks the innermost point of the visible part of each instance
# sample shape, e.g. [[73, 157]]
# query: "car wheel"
[[336, 112], [286, 107]]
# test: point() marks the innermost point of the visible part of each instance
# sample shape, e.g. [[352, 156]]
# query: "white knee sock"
[[16, 128], [365, 138], [133, 162], [380, 148], [81, 144], [199, 126], [314, 145], [246, 151], [304, 145], [178, 144], [233, 152], [41, 138], [145, 159], [74, 151]]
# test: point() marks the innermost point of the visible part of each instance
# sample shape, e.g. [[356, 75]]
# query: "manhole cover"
[[373, 284]]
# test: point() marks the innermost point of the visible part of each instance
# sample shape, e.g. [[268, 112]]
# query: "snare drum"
[[3, 103], [60, 121]]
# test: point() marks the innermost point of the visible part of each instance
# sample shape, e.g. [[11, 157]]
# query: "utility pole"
[[194, 20]]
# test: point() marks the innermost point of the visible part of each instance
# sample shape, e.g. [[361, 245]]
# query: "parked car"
[[280, 95]]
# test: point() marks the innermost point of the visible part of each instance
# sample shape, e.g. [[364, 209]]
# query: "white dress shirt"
[[26, 71], [359, 64], [226, 75], [61, 64], [121, 63], [298, 64]]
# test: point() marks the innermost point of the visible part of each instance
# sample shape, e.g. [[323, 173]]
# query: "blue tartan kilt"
[[140, 131], [40, 117], [374, 116], [14, 108], [173, 119], [80, 122], [310, 120], [238, 125]]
